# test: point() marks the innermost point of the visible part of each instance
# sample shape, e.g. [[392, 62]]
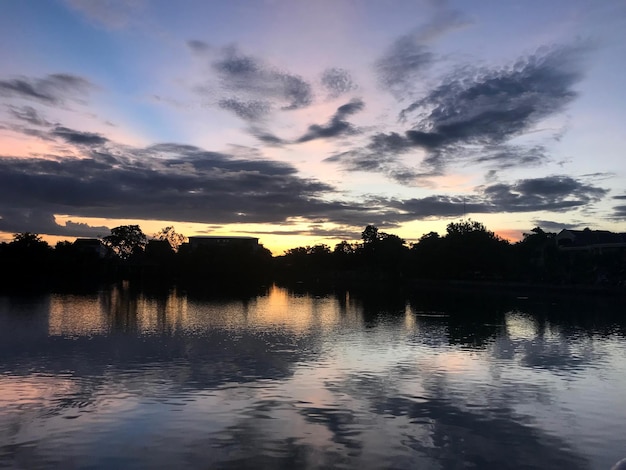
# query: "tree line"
[[467, 251]]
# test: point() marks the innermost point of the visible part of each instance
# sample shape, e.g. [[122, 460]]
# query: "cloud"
[[511, 156], [77, 137], [337, 126], [489, 106], [15, 221], [266, 137], [54, 89], [402, 63], [441, 206], [248, 110], [380, 154], [471, 116], [550, 193], [168, 182], [28, 114], [408, 58], [619, 212], [188, 184], [199, 47], [337, 81], [251, 80]]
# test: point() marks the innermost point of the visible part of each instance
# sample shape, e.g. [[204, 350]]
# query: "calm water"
[[120, 379]]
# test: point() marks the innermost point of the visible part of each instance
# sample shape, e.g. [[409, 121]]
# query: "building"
[[91, 246], [596, 241]]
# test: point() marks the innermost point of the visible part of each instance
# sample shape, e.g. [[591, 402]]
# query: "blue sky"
[[302, 122]]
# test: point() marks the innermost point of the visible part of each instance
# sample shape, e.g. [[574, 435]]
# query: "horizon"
[[300, 124], [52, 242]]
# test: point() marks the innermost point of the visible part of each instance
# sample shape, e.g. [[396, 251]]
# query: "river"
[[124, 378]]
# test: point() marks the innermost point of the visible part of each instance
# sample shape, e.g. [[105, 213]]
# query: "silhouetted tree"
[[126, 240], [25, 259], [537, 256], [370, 235], [382, 252], [29, 246], [306, 262], [427, 257], [28, 240], [170, 235], [345, 256], [472, 251]]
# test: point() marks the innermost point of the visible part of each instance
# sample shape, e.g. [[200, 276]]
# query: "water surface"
[[124, 379]]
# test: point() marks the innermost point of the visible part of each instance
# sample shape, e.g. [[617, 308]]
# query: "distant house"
[[596, 241], [91, 246], [158, 248], [251, 243]]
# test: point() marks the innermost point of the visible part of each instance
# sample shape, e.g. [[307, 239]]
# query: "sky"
[[302, 122]]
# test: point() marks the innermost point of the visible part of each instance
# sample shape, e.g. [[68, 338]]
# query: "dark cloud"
[[550, 193], [619, 212], [442, 206], [553, 193], [188, 184], [337, 81], [511, 156], [28, 114], [392, 143], [52, 90], [168, 182], [267, 137], [472, 114], [427, 140], [14, 221], [487, 106], [403, 62], [474, 108], [352, 160], [248, 110], [249, 76], [197, 46], [337, 126], [381, 155], [77, 137]]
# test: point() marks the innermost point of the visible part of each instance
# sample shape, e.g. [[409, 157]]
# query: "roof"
[[591, 237], [87, 241]]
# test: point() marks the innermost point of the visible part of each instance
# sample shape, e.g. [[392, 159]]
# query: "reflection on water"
[[120, 378]]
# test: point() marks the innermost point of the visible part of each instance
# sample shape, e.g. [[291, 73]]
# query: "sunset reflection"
[[75, 315], [119, 309]]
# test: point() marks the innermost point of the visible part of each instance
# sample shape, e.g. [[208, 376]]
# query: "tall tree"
[[126, 240], [28, 240], [370, 235], [170, 235]]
